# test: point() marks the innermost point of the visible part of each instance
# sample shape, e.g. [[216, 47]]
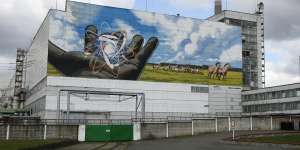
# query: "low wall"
[[151, 130], [179, 129], [204, 125], [38, 131]]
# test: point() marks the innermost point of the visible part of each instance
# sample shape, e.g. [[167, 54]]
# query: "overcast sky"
[[20, 20]]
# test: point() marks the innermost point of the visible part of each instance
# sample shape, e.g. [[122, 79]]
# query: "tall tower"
[[261, 41], [218, 7], [19, 94]]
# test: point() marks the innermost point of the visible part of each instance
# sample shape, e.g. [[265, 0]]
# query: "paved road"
[[97, 146], [199, 142]]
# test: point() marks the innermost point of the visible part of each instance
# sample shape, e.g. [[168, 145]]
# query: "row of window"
[[271, 107], [272, 95]]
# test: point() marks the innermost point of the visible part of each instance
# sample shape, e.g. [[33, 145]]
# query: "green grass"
[[278, 139], [23, 144], [233, 77], [53, 71]]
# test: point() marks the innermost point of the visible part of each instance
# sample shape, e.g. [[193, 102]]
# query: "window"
[[283, 94], [298, 92], [196, 89]]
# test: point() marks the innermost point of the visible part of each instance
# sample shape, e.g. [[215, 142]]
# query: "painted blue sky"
[[182, 40]]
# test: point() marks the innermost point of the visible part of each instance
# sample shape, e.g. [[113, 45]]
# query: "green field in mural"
[[201, 77]]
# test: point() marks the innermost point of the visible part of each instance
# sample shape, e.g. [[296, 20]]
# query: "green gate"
[[109, 132]]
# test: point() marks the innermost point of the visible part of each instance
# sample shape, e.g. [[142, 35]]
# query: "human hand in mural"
[[84, 64]]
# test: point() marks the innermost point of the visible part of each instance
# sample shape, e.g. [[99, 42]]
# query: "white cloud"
[[179, 57], [115, 3], [175, 30], [205, 29], [6, 70], [275, 75], [232, 54], [282, 65], [191, 4], [126, 27]]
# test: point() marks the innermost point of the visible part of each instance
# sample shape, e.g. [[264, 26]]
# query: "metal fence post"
[[251, 123], [167, 129], [45, 132], [7, 131], [192, 127], [68, 106], [271, 123], [216, 124], [229, 123]]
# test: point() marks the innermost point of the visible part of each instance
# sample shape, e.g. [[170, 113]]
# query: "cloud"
[[285, 54], [126, 27], [174, 29], [63, 34], [277, 76], [115, 3], [191, 4], [280, 16], [232, 54], [204, 30], [7, 69]]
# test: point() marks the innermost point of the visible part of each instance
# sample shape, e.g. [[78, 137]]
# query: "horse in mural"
[[213, 70], [222, 72]]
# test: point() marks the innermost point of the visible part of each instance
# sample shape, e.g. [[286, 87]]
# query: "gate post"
[[251, 123], [45, 132], [137, 131], [192, 127], [81, 133], [167, 129], [271, 123], [216, 124], [229, 124], [7, 131]]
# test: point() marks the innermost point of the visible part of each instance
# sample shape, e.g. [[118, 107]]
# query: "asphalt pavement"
[[199, 142]]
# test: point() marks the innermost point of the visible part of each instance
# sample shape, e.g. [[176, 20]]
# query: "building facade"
[[63, 43], [272, 100], [252, 26]]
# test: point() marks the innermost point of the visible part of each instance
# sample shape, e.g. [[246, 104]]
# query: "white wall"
[[224, 99], [160, 97], [37, 56]]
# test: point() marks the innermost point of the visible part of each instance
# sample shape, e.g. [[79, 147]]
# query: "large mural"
[[94, 41]]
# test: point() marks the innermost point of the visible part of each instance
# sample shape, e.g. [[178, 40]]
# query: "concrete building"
[[252, 26], [278, 100], [51, 95]]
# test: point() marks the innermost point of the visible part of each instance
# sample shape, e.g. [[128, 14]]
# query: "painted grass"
[[52, 71], [233, 77], [278, 139]]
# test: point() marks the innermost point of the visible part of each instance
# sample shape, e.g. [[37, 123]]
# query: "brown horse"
[[213, 70], [222, 72]]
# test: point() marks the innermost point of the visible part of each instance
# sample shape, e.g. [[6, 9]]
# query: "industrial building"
[[277, 100], [55, 93]]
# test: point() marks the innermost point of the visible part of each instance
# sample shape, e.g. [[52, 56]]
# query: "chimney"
[[218, 7]]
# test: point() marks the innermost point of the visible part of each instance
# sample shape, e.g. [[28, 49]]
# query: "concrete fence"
[[38, 131], [208, 125], [150, 128]]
